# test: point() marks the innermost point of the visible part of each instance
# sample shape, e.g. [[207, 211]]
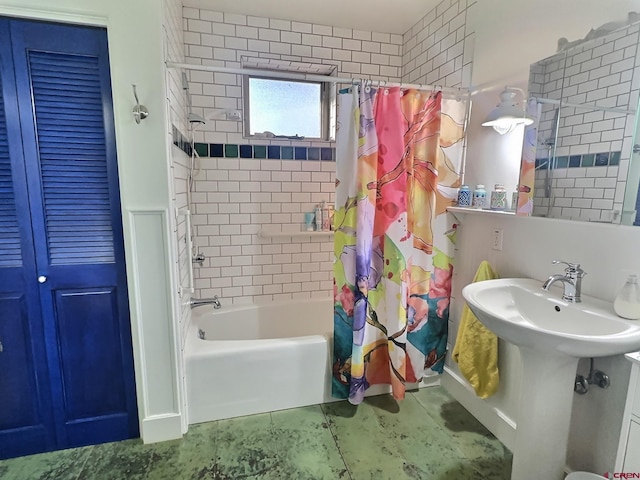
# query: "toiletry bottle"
[[331, 214], [479, 196], [318, 218], [325, 216], [464, 196], [514, 199], [309, 221], [627, 302], [498, 198]]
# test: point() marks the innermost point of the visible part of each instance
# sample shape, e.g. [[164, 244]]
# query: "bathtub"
[[258, 358]]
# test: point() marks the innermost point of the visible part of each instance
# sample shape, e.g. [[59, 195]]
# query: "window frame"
[[325, 104]]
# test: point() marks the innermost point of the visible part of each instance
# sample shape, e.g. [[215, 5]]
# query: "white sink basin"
[[551, 335], [519, 311]]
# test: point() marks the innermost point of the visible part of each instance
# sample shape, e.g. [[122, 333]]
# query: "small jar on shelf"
[[479, 197], [464, 196], [498, 198]]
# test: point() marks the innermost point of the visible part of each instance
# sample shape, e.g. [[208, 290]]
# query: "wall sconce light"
[[508, 114]]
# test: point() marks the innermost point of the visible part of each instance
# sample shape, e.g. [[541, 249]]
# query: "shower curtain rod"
[[315, 78], [585, 106]]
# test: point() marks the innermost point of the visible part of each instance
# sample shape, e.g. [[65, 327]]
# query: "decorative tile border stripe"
[[606, 159], [232, 150], [180, 141]]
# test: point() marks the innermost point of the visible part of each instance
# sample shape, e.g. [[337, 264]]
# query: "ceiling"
[[373, 15]]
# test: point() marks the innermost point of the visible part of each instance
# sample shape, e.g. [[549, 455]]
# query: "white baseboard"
[[496, 421], [160, 428]]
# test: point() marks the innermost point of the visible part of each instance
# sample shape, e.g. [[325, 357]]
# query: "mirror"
[[586, 168]]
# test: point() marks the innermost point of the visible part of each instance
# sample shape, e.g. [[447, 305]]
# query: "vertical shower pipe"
[[189, 289], [463, 163]]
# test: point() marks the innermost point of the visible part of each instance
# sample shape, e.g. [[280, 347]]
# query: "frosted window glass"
[[285, 107]]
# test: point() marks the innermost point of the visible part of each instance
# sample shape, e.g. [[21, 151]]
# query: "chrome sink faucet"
[[572, 280], [215, 301]]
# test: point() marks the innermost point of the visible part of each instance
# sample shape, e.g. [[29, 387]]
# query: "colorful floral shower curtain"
[[398, 157]]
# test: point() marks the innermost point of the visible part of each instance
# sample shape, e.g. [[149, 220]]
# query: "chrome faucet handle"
[[571, 267]]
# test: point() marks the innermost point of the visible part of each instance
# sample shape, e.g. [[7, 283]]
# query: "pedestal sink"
[[552, 335]]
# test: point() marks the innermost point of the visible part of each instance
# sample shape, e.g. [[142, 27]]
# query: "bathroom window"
[[286, 108]]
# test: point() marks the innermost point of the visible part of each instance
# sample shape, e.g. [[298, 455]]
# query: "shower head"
[[224, 114], [195, 118]]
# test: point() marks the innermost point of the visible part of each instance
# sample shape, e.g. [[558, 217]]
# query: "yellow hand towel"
[[476, 350]]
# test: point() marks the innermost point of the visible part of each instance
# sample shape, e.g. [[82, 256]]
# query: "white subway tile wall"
[[585, 193], [438, 49], [174, 41], [235, 198], [226, 39], [606, 72]]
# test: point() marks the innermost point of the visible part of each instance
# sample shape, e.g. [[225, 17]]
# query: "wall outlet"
[[497, 239]]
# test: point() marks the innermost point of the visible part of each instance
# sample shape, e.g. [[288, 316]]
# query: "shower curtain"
[[398, 157]]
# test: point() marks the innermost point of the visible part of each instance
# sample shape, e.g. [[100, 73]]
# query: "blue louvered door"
[[81, 366], [26, 414]]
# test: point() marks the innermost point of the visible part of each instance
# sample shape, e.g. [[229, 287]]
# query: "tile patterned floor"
[[428, 435]]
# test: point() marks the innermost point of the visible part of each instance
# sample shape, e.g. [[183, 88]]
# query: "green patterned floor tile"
[[490, 458], [498, 468], [359, 438], [60, 465], [448, 412], [428, 435], [426, 449], [306, 448], [460, 470], [197, 450], [303, 418], [128, 459], [432, 396], [191, 458], [471, 436], [383, 439], [245, 448]]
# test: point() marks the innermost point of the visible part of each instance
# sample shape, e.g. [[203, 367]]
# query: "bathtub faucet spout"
[[215, 301]]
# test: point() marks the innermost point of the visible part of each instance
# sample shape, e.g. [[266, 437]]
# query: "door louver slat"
[[10, 248], [71, 143]]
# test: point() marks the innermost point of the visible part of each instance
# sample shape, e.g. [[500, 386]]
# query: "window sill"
[[283, 138]]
